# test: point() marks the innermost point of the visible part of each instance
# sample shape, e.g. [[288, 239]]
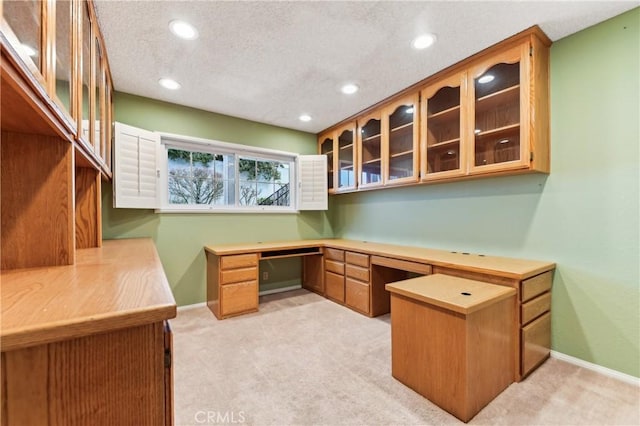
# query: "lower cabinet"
[[358, 282], [239, 297], [114, 378], [334, 286], [334, 274], [232, 284]]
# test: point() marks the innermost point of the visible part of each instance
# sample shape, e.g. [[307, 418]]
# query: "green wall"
[[180, 238], [583, 216]]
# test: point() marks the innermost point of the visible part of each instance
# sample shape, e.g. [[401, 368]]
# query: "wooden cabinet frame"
[[455, 80], [363, 157], [411, 101]]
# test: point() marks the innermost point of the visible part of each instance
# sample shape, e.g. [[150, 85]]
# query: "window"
[[186, 174]]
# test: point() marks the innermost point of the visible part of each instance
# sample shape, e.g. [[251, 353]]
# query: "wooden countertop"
[[452, 293], [120, 285], [518, 269]]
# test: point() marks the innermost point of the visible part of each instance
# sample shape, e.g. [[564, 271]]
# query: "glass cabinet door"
[[327, 148], [22, 23], [85, 100], [98, 101], [370, 146], [346, 157], [402, 140], [497, 102], [63, 87], [442, 129]]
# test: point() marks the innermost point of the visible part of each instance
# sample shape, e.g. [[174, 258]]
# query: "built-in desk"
[[354, 273]]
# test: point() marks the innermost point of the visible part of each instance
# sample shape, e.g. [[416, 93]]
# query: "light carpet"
[[304, 360]]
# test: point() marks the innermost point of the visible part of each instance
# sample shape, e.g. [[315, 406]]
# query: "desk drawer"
[[536, 285], [358, 273], [357, 295], [536, 307], [357, 259], [238, 275], [333, 266], [334, 254], [334, 286], [238, 261], [536, 342], [239, 297]]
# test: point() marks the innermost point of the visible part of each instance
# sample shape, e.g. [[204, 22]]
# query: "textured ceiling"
[[273, 61]]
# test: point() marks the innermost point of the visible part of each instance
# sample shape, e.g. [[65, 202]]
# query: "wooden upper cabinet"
[[499, 104], [345, 137], [370, 147], [400, 140], [443, 144], [486, 115], [326, 146]]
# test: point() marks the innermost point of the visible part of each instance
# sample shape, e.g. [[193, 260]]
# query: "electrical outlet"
[[265, 276]]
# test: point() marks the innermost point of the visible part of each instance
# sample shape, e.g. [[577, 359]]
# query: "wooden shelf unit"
[[72, 306]]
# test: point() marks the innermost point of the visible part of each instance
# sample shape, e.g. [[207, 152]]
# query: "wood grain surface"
[[119, 285]]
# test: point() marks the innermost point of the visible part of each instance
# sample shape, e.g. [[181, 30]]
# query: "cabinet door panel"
[[240, 297], [400, 141], [536, 341], [334, 286], [357, 295], [500, 93], [443, 136], [346, 138], [327, 147], [370, 150]]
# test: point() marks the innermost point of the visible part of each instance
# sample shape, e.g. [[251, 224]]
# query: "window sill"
[[226, 211]]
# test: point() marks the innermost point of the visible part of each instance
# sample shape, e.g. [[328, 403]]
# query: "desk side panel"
[[213, 283]]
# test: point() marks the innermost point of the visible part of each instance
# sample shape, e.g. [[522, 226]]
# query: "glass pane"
[[264, 183], [25, 19], [326, 148], [97, 130], [86, 74], [346, 176], [200, 178], [497, 118], [401, 142], [63, 53], [443, 130], [371, 153]]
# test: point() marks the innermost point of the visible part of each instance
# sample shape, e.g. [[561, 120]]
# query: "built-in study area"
[[490, 206]]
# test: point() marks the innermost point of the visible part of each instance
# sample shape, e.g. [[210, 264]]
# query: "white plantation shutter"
[[312, 182], [135, 181]]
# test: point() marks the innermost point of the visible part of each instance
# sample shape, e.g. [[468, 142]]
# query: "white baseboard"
[[194, 306], [623, 377], [280, 290]]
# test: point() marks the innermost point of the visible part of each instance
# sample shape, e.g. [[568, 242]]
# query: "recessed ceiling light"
[[28, 50], [170, 84], [409, 110], [476, 131], [487, 78], [183, 30], [423, 41], [305, 117], [349, 89], [504, 141]]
